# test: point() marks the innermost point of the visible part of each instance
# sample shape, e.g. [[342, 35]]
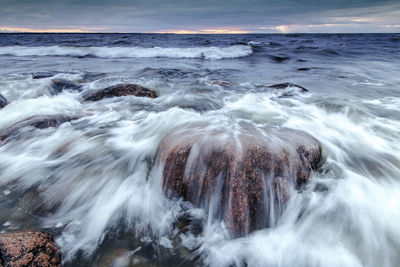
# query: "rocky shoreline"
[[250, 173]]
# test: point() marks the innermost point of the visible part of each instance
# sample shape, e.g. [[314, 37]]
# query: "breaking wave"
[[210, 53]]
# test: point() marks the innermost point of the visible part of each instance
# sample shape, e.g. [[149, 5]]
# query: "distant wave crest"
[[211, 53]]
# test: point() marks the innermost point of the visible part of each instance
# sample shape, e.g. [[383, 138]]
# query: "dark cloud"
[[162, 15]]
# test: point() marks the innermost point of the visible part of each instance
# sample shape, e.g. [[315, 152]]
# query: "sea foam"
[[210, 53]]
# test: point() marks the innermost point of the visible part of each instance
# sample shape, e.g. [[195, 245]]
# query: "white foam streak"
[[45, 105], [211, 53], [99, 173], [355, 221]]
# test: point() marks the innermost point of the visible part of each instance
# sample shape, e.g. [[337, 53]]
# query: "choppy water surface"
[[93, 182]]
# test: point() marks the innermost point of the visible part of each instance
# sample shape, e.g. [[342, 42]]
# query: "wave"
[[210, 53]]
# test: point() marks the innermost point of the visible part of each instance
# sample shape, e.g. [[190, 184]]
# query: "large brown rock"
[[3, 101], [244, 174], [120, 90], [28, 248], [40, 121]]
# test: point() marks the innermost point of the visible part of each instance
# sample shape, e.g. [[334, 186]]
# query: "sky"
[[200, 16]]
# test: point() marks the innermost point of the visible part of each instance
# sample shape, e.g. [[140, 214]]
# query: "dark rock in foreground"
[[120, 90], [286, 85], [41, 122], [59, 85], [3, 101], [28, 248], [244, 175]]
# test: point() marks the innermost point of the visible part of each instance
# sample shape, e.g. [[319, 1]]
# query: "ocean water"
[[93, 182]]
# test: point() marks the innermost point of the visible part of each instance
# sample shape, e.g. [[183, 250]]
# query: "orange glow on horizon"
[[22, 29], [91, 30]]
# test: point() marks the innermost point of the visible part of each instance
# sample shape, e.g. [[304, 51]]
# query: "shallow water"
[[94, 182]]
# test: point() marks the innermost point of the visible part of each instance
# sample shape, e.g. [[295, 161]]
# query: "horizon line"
[[177, 33]]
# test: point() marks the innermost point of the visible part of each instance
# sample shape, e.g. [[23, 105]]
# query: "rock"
[[122, 257], [222, 83], [28, 248], [29, 207], [3, 101], [186, 222], [59, 85], [43, 74], [286, 85], [279, 59], [303, 69], [40, 122], [246, 175], [120, 90]]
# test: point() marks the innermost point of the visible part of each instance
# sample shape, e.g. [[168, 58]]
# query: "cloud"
[[201, 16]]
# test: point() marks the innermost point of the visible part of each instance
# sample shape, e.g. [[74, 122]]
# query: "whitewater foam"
[[210, 53], [103, 190]]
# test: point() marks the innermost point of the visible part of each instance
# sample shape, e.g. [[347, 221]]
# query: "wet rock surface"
[[40, 122], [245, 176], [59, 85], [28, 248], [29, 208], [303, 69], [120, 90], [286, 85], [3, 101], [43, 74]]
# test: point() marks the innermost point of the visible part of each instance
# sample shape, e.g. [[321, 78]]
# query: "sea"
[[93, 182]]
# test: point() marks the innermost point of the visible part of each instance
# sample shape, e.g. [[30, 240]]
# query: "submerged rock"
[[120, 90], [279, 59], [91, 76], [59, 85], [303, 69], [244, 175], [123, 257], [28, 248], [286, 85], [28, 209], [43, 74], [40, 121], [3, 101]]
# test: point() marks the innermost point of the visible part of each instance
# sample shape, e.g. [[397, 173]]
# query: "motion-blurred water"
[[93, 182]]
